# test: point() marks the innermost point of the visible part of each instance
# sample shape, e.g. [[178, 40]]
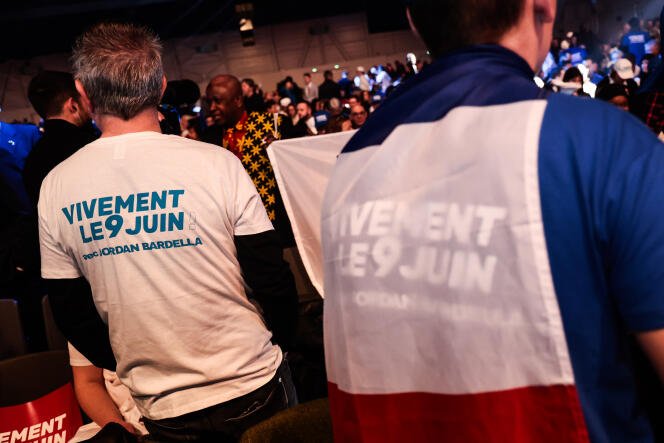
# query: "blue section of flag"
[[480, 76], [602, 195]]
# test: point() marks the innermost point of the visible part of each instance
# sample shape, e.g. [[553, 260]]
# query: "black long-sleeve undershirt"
[[75, 314], [272, 284]]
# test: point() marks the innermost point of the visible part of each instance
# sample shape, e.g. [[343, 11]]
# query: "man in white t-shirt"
[[171, 236]]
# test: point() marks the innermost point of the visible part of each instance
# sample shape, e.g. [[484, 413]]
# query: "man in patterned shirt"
[[247, 135]]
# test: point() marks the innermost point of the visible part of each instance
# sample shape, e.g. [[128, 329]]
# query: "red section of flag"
[[549, 414], [52, 418]]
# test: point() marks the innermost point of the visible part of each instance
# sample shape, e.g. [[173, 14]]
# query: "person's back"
[[329, 88], [67, 127], [467, 232], [157, 248], [168, 232], [635, 40]]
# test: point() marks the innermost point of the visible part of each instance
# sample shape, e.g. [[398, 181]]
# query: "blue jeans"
[[227, 421]]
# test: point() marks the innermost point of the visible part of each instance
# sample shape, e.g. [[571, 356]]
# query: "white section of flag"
[[436, 269], [302, 167]]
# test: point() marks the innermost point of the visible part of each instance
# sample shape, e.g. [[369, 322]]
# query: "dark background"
[[36, 27]]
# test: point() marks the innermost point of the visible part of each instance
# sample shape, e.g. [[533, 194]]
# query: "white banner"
[[302, 167]]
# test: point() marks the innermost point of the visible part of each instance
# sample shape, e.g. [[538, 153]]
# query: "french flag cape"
[[488, 249]]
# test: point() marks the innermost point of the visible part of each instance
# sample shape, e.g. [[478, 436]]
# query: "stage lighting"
[[247, 32], [245, 14]]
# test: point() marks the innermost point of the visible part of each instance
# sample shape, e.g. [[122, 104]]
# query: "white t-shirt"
[[149, 219], [116, 390]]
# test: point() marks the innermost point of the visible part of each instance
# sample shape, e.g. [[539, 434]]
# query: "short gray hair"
[[120, 68]]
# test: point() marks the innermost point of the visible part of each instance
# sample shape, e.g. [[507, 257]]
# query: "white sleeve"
[[250, 216], [55, 262], [76, 358]]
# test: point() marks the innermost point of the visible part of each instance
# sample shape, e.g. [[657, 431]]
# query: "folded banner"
[[53, 418], [302, 167]]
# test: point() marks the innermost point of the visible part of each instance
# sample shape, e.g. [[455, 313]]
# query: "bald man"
[[247, 135]]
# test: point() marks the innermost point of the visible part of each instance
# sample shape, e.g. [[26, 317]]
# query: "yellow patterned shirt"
[[249, 140]]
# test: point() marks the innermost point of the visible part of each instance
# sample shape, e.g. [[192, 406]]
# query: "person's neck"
[[146, 120], [237, 119], [522, 45], [65, 117], [528, 37]]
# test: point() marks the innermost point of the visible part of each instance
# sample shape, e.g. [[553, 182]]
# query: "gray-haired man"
[[168, 232]]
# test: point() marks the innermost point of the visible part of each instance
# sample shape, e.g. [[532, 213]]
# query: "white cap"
[[624, 69], [284, 102]]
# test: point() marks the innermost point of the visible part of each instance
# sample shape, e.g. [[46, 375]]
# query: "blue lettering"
[[176, 196], [142, 201], [137, 227], [124, 204], [158, 200], [176, 221], [105, 206], [114, 224], [162, 222], [155, 223], [69, 214], [89, 208], [83, 237], [97, 230]]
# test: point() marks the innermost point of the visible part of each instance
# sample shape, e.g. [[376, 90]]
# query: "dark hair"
[[634, 23], [306, 74], [328, 74], [610, 91], [447, 25], [49, 90], [250, 82], [571, 73]]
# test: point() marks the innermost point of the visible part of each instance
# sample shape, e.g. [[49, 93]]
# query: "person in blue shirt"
[[491, 250], [635, 40]]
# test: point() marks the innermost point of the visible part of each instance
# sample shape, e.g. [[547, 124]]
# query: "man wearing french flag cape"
[[490, 250]]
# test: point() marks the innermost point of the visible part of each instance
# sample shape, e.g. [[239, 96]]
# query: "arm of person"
[[652, 343], [94, 398], [260, 257], [272, 283], [634, 239], [77, 318]]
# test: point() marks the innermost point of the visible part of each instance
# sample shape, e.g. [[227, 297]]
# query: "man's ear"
[[84, 99], [70, 106], [164, 83], [545, 10]]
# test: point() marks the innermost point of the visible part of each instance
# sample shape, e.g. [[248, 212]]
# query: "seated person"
[[102, 397]]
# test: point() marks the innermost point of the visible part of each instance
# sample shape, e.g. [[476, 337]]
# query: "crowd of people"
[[577, 64], [162, 256], [335, 105], [619, 71]]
